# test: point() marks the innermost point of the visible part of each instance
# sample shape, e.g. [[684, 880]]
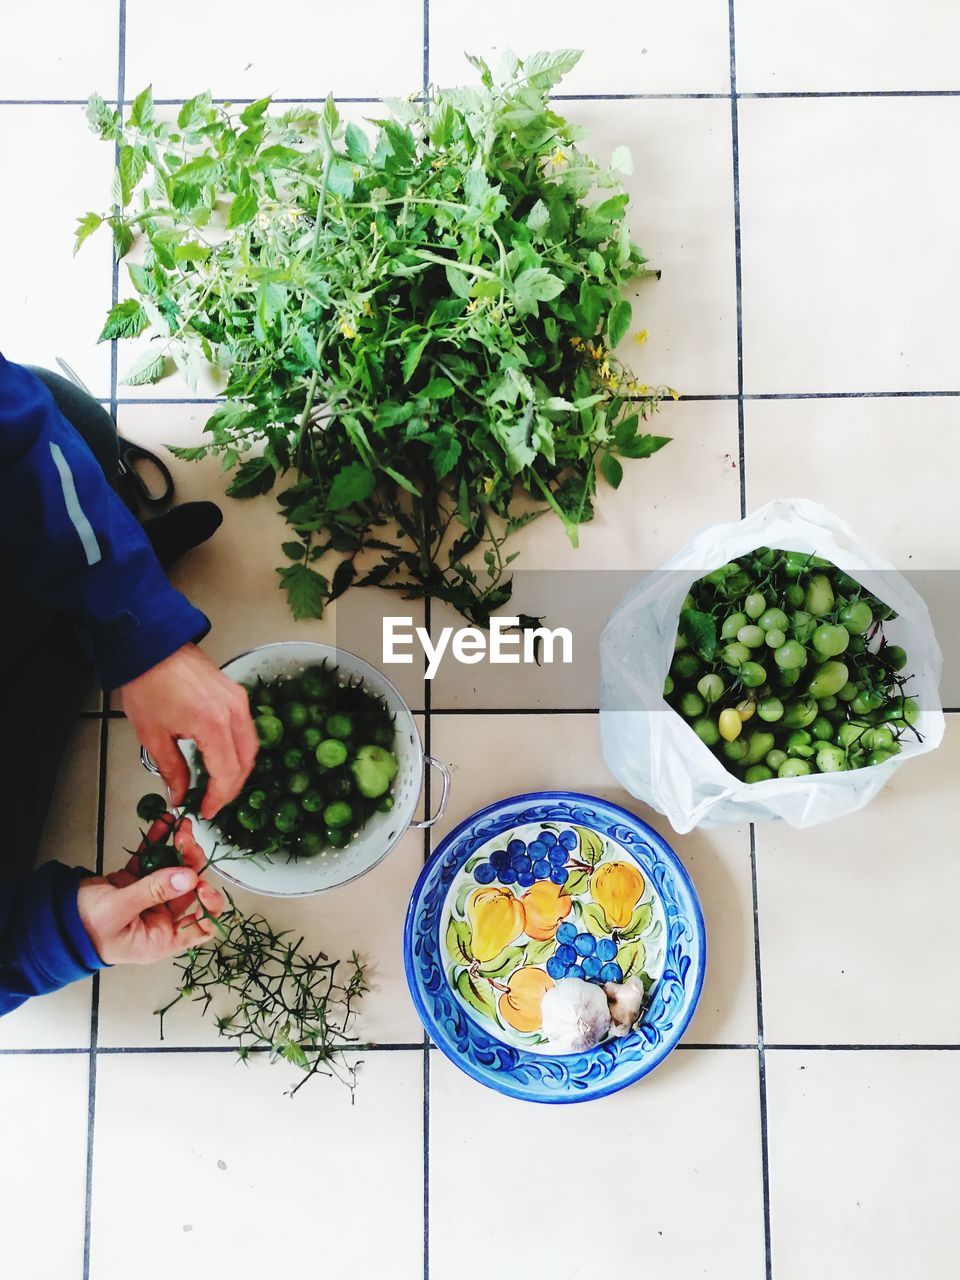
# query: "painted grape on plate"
[[540, 904]]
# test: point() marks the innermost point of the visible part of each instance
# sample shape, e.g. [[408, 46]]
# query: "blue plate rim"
[[504, 1083]]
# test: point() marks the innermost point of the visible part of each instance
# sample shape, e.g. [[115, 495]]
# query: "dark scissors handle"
[[132, 460]]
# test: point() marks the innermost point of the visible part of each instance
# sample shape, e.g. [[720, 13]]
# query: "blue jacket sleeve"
[[43, 944], [73, 544]]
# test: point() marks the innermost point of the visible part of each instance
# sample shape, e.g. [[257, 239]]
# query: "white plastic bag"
[[653, 751]]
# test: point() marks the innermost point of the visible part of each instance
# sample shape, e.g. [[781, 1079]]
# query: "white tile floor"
[[809, 1127]]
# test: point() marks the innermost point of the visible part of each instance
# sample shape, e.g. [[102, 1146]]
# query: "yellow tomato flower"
[[347, 329], [674, 395], [641, 337], [367, 309]]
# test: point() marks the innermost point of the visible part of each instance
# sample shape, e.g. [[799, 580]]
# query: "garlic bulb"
[[625, 1001], [575, 1015]]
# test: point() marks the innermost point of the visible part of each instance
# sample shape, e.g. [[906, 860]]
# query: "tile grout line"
[[104, 730], [738, 277], [741, 440], [756, 95], [761, 1057]]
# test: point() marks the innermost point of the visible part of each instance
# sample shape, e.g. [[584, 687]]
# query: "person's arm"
[[62, 923], [73, 544], [43, 944]]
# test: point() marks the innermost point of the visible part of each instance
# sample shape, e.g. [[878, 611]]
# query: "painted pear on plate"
[[545, 905], [496, 919], [617, 887], [520, 1005]]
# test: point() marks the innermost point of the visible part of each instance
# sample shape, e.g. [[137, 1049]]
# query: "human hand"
[[134, 921], [186, 696]]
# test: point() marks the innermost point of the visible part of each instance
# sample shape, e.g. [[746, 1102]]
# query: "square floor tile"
[[54, 303], [373, 49], [861, 44], [493, 756], [227, 1168], [692, 1207], [62, 1019], [43, 1119], [857, 918], [888, 492], [681, 215], [636, 527], [366, 915], [636, 48], [233, 577], [864, 1164], [849, 274], [60, 49]]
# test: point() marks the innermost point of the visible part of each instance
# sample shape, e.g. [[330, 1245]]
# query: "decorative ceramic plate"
[[533, 889]]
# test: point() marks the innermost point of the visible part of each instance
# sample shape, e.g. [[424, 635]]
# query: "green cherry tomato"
[[854, 733], [829, 678], [799, 745], [775, 758], [311, 738], [894, 656], [293, 758], [831, 759], [269, 730], [793, 595], [736, 654], [857, 616], [251, 819], [151, 807], [791, 656], [753, 675], [298, 782], [706, 730], [317, 684], [710, 688], [759, 744], [751, 636], [732, 624], [338, 837], [790, 677], [775, 637], [338, 814], [866, 700], [685, 666], [819, 598], [801, 713], [339, 726], [156, 856], [312, 802], [294, 715], [257, 798], [828, 703], [773, 620], [902, 709], [758, 773], [691, 704], [794, 768], [754, 605], [736, 751], [882, 738], [287, 816], [770, 709], [822, 729], [795, 562], [830, 640], [331, 753], [848, 692], [668, 686], [310, 844]]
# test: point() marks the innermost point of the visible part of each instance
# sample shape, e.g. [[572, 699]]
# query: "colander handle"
[[444, 793], [146, 759]]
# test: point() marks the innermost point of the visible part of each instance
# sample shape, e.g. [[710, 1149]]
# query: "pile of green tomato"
[[324, 767], [782, 669]]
